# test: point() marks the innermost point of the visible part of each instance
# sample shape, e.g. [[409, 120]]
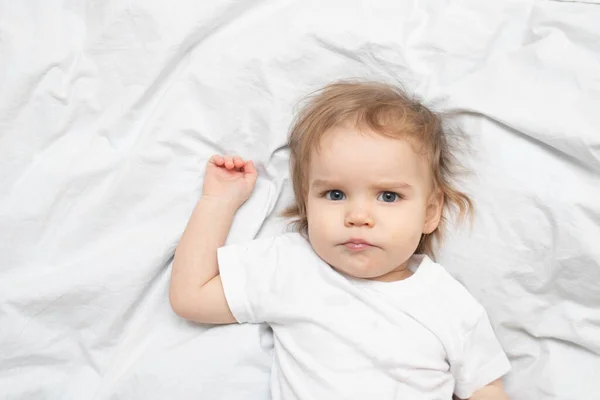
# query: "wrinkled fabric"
[[109, 111]]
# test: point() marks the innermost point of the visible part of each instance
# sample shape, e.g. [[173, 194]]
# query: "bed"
[[109, 111]]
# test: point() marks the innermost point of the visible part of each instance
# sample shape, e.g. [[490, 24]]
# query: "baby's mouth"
[[357, 245]]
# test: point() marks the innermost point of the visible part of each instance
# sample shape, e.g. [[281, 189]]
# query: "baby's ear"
[[433, 214]]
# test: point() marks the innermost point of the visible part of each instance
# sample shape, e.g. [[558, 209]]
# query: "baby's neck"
[[398, 274]]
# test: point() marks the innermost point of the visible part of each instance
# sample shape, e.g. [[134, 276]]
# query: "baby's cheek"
[[323, 221], [319, 230], [414, 235], [406, 234]]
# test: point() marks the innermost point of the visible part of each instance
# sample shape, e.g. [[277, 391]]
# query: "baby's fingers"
[[217, 160], [238, 162], [249, 168], [229, 162]]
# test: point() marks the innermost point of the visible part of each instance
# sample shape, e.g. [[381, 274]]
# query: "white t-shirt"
[[339, 337]]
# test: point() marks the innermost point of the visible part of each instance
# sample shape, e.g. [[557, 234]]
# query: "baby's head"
[[370, 165]]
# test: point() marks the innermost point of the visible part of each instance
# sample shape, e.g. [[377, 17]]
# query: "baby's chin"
[[360, 273], [361, 265]]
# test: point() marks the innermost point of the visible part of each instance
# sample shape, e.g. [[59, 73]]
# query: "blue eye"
[[388, 197], [335, 195]]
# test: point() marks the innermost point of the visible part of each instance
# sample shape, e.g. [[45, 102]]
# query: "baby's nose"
[[358, 216]]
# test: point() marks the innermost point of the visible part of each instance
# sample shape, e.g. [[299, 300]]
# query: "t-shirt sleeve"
[[482, 359], [258, 277]]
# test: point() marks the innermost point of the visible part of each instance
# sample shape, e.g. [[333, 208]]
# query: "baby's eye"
[[388, 197], [335, 195]]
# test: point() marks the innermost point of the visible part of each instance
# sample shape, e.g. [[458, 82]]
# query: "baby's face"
[[367, 203]]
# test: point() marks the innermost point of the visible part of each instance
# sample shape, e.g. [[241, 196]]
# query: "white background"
[[110, 109]]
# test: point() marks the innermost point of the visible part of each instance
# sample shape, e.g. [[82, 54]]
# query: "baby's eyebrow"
[[317, 183], [392, 184], [323, 183]]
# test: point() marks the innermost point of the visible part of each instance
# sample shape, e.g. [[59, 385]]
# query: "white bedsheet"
[[110, 109]]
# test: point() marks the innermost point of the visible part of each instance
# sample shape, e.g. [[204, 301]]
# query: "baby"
[[358, 308]]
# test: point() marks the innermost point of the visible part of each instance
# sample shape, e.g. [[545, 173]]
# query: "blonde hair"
[[383, 109]]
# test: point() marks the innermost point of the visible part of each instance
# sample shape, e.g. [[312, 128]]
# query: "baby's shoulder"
[[288, 249], [283, 241], [449, 296], [293, 243]]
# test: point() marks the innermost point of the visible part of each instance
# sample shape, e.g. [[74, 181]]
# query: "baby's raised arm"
[[196, 292], [492, 391]]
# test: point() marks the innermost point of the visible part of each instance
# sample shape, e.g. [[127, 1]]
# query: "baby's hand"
[[229, 179], [493, 391]]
